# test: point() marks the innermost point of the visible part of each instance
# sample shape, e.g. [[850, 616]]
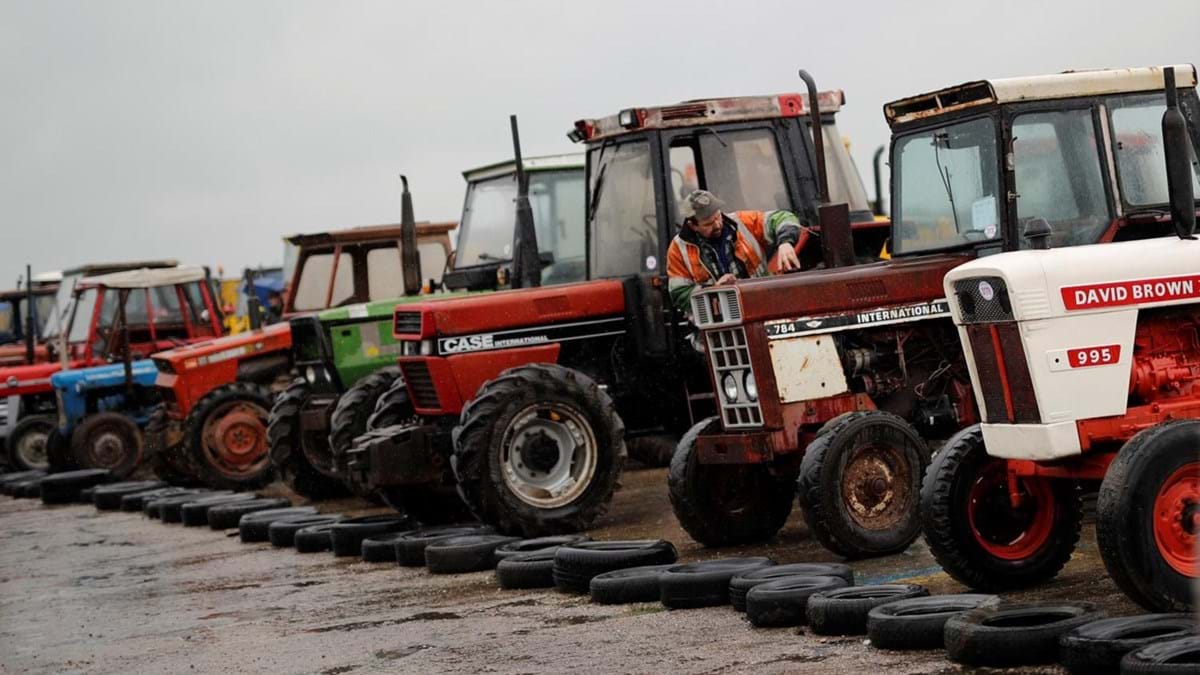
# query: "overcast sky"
[[207, 130]]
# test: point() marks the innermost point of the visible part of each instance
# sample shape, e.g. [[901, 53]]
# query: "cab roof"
[[21, 293], [147, 277], [701, 112], [93, 269], [1068, 84], [368, 233], [572, 160]]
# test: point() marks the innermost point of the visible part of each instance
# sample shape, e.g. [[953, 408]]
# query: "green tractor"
[[346, 356]]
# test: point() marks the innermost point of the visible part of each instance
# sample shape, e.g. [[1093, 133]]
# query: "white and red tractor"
[[1085, 362]]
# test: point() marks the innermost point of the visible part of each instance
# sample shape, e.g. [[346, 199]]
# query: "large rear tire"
[[26, 444], [539, 451], [287, 449], [726, 504], [356, 406], [107, 440], [1148, 516], [226, 436], [975, 533], [169, 463]]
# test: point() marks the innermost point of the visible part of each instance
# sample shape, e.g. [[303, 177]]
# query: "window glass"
[[624, 224], [167, 309], [433, 262], [741, 168], [62, 305], [845, 183], [556, 199], [343, 281], [385, 272], [194, 293], [948, 189], [487, 223], [1057, 166], [81, 322], [6, 318], [45, 310], [1137, 135], [313, 286]]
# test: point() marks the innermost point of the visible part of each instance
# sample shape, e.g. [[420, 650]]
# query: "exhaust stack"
[[410, 257], [837, 244], [526, 264]]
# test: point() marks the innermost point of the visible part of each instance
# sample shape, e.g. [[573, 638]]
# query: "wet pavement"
[[103, 592]]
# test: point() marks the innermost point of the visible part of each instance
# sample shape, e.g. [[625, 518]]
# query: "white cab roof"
[[148, 277]]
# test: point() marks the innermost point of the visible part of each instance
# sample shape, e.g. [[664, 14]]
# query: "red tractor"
[[834, 378], [1086, 364], [524, 399], [162, 307], [218, 394]]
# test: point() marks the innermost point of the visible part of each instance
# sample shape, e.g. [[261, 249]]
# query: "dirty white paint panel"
[[807, 368]]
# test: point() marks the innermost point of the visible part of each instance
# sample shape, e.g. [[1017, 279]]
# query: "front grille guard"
[[729, 357]]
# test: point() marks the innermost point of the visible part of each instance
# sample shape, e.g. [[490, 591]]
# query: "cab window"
[[624, 239], [1137, 137], [741, 168]]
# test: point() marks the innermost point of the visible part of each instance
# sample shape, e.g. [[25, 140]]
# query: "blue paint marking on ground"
[[889, 578]]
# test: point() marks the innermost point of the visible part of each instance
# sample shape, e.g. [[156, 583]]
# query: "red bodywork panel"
[[34, 379], [197, 369], [14, 354], [457, 378]]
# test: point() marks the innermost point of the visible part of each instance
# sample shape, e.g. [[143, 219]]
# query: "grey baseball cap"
[[701, 205]]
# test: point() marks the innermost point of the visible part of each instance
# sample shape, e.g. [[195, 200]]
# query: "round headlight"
[[310, 374], [750, 386], [730, 387]]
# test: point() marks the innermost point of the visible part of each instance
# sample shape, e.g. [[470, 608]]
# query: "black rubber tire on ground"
[[480, 436], [63, 488], [844, 611], [919, 623], [26, 444], [136, 502], [107, 440], [282, 533], [257, 399], [356, 406], [577, 564], [168, 463], [784, 602], [382, 547], [954, 542], [195, 513], [1014, 634], [884, 445], [1170, 657], [1098, 647], [704, 583], [726, 504], [532, 569], [653, 451], [410, 549], [58, 452], [29, 489], [229, 516], [255, 527], [347, 536], [623, 586], [313, 539], [469, 553], [9, 480], [1134, 536], [741, 584], [170, 509], [85, 495], [538, 544], [286, 447], [108, 497]]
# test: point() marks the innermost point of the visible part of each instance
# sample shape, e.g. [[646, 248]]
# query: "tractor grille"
[[976, 308], [3, 414], [730, 358], [420, 384], [406, 323], [1004, 379], [716, 308]]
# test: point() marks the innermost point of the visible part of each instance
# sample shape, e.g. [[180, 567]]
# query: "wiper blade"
[[595, 194], [944, 174]]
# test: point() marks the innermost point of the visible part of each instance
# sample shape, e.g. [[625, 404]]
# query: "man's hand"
[[787, 258], [726, 279]]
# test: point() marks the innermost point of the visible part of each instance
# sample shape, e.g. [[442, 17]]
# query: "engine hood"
[[477, 313], [221, 344], [19, 380], [108, 375]]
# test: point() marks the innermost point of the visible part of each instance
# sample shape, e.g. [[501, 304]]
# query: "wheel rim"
[[877, 487], [107, 449], [550, 455], [31, 448], [1003, 531], [235, 438], [1177, 519]]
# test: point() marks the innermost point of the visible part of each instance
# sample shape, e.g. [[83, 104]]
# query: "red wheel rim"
[[1177, 518], [1003, 531], [235, 439]]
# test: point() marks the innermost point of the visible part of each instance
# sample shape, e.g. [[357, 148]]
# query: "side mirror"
[[1038, 232]]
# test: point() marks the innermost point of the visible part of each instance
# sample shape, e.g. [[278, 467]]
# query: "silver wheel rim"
[[549, 455], [32, 449]]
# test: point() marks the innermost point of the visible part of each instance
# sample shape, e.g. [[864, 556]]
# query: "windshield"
[[385, 269], [62, 306], [6, 318], [740, 167], [947, 187], [624, 238], [1137, 134], [845, 184], [312, 288], [81, 322], [44, 306]]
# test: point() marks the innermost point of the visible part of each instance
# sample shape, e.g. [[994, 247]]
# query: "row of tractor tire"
[[974, 629]]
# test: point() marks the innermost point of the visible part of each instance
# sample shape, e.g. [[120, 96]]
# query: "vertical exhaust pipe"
[[877, 170], [410, 258], [837, 243], [1177, 154], [527, 264], [31, 324]]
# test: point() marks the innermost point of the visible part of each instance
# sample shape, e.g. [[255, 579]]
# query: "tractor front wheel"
[[27, 442], [289, 452], [860, 484], [355, 407], [975, 531], [539, 451], [226, 433], [107, 440], [726, 504], [1148, 516], [168, 462]]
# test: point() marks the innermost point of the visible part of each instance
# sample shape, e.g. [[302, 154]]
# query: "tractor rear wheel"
[[539, 451], [27, 442], [107, 440], [656, 450], [226, 436], [726, 504], [169, 463], [860, 485], [1148, 516], [289, 452], [977, 535]]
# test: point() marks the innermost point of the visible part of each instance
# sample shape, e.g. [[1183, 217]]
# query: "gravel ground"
[[102, 592]]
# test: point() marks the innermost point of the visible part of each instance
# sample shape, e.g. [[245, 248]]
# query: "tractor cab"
[[14, 309]]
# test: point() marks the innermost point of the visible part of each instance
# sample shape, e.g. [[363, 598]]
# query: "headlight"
[[310, 374], [730, 387], [426, 347], [750, 386]]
